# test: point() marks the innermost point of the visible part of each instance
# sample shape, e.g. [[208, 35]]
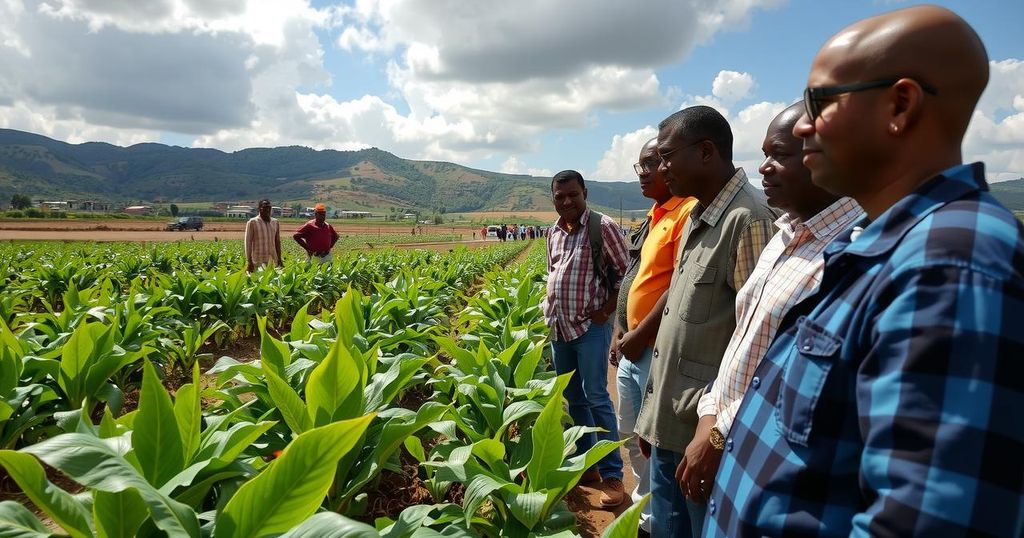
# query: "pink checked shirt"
[[573, 288], [788, 270]]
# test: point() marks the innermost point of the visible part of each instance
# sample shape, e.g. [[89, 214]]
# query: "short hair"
[[702, 123], [263, 201], [566, 176]]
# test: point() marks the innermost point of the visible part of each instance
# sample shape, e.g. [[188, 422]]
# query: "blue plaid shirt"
[[892, 401]]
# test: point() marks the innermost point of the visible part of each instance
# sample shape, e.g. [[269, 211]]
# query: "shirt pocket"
[[803, 379], [698, 294]]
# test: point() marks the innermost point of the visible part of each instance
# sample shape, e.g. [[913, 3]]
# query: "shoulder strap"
[[596, 237]]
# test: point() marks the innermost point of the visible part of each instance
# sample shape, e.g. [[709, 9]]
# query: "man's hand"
[[631, 347], [700, 463], [599, 316], [645, 447], [250, 267], [613, 348]]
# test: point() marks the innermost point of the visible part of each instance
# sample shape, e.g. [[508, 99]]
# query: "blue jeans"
[[587, 392], [670, 510], [631, 382]]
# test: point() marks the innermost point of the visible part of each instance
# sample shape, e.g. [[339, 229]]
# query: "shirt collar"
[[584, 218], [828, 222], [885, 232], [714, 211], [658, 211]]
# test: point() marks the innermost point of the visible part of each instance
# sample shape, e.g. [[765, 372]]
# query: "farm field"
[[153, 230], [394, 393]]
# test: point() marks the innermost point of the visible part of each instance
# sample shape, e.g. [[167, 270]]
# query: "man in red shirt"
[[317, 237]]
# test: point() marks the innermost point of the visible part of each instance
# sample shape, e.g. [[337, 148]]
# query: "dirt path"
[[585, 501]]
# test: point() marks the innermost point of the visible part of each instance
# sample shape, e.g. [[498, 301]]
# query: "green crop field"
[[388, 373]]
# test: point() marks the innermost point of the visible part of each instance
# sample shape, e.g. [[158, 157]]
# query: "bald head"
[[929, 44], [786, 119]]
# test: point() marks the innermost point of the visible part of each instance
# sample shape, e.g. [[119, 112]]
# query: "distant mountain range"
[[369, 179], [366, 179]]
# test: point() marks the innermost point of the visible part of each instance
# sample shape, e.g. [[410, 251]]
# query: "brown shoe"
[[591, 477], [613, 493]]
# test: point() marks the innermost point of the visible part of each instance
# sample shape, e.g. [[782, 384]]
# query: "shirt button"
[[728, 445], [756, 382], [807, 345], [655, 353], [666, 310], [711, 507]]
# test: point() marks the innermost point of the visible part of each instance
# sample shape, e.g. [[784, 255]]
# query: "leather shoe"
[[613, 493], [592, 476]]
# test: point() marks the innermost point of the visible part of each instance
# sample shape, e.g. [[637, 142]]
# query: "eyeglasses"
[[646, 166], [815, 98], [664, 154]]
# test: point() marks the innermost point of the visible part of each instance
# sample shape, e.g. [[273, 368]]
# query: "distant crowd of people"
[[512, 232], [834, 355]]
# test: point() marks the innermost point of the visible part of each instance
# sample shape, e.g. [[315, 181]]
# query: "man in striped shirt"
[[788, 270], [576, 308], [262, 239]]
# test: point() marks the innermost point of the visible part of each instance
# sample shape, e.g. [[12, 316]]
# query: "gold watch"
[[717, 440]]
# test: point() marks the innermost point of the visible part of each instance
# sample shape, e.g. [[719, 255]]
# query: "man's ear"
[[584, 193], [906, 104]]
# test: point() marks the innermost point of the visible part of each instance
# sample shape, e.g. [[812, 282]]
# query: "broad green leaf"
[[293, 486], [76, 355], [527, 366], [479, 488], [118, 515], [93, 463], [288, 403], [414, 446], [156, 439], [334, 390], [626, 525], [57, 503], [189, 415], [273, 352], [528, 508], [300, 324], [16, 521], [331, 525], [547, 436]]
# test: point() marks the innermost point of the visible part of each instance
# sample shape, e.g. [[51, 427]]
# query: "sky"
[[529, 87]]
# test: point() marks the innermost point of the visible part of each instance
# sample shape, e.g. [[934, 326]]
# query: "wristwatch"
[[717, 440]]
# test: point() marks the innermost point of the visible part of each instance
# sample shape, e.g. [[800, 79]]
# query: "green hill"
[[1010, 193], [366, 179]]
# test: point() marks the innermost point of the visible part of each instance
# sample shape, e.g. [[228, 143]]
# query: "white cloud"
[[731, 86], [513, 165], [996, 133], [617, 162], [479, 79], [728, 90]]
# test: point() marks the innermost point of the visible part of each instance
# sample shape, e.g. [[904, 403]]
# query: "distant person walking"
[[317, 237], [262, 239]]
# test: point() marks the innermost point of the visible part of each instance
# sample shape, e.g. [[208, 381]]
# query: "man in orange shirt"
[[641, 302]]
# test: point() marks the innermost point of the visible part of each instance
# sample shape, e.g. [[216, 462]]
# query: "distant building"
[[139, 210], [54, 206], [287, 212], [347, 214], [239, 212]]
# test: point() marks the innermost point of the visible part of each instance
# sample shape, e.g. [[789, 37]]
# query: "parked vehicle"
[[492, 231], [186, 223]]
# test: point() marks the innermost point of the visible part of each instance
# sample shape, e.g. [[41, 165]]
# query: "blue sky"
[[533, 86]]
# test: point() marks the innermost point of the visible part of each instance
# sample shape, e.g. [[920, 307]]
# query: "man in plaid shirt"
[[890, 403], [576, 307]]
